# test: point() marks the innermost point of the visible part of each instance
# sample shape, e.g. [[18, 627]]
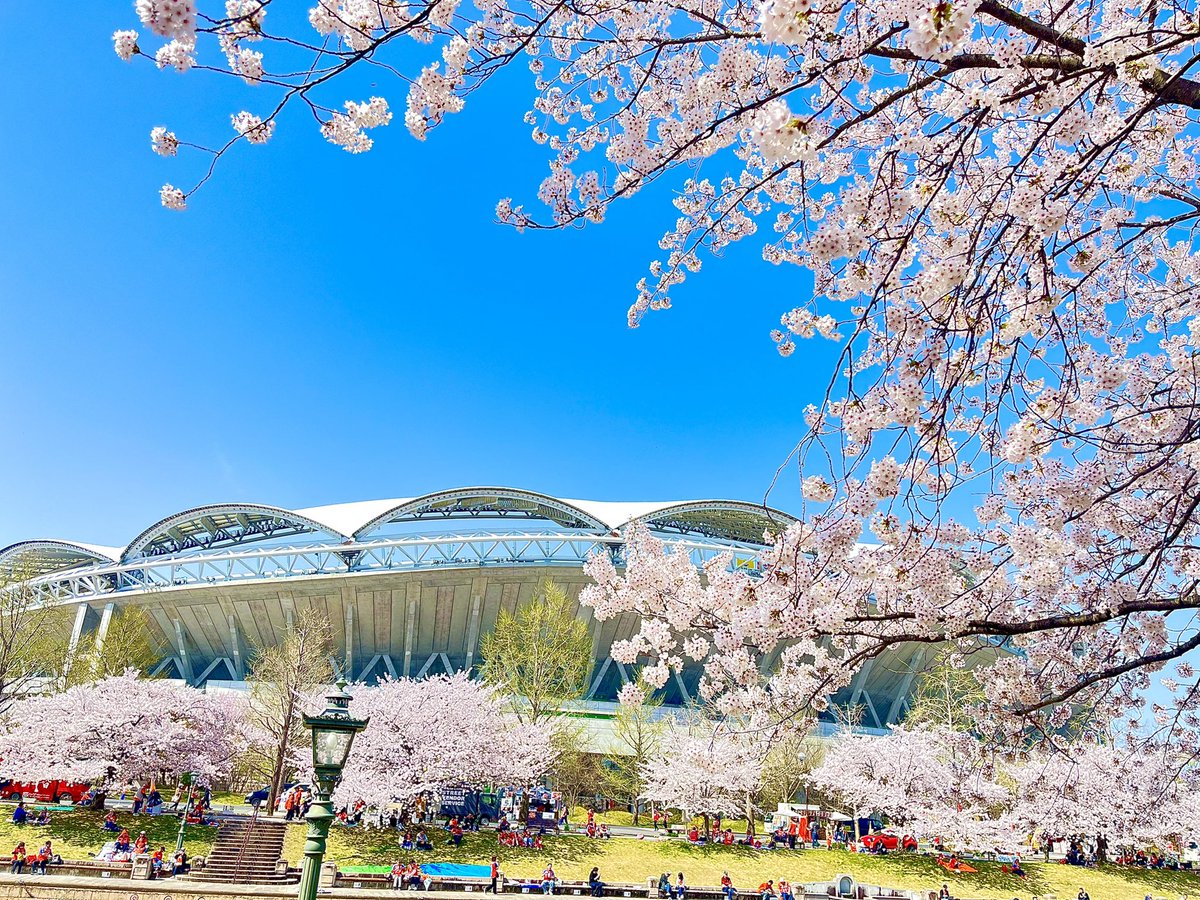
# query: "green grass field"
[[78, 835], [632, 860]]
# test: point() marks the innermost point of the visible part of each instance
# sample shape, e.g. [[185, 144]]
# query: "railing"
[[155, 574], [246, 834]]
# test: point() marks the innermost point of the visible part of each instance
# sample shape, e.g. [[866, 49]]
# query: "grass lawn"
[[78, 834], [631, 860]]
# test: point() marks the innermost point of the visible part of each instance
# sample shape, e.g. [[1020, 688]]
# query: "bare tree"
[[280, 678], [35, 633]]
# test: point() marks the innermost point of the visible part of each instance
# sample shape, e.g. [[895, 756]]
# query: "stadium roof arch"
[[221, 525], [31, 559]]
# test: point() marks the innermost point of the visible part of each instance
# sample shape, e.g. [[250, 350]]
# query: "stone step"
[[263, 879]]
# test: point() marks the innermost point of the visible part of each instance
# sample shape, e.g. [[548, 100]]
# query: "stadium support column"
[[102, 631], [76, 633], [473, 623], [185, 661], [410, 625], [235, 647], [349, 658]]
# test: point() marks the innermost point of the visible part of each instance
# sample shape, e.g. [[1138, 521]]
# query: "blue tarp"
[[456, 870]]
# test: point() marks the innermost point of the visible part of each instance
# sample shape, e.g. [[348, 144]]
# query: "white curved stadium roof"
[[218, 525]]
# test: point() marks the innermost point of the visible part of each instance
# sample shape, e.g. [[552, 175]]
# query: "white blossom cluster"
[[252, 127], [163, 142], [349, 130]]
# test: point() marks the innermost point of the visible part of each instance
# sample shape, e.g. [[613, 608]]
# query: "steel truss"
[[160, 573]]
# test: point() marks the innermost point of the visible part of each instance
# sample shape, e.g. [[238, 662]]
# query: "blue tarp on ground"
[[456, 870]]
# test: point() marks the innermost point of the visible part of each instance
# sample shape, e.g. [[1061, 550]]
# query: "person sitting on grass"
[[549, 879], [693, 835], [456, 833], [18, 858], [423, 841], [604, 833], [122, 843], [1016, 868], [20, 814], [727, 838], [406, 842]]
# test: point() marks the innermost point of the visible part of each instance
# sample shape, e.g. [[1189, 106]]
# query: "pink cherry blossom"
[[121, 729]]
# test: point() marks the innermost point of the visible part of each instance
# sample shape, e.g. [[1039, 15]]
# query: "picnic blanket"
[[956, 867]]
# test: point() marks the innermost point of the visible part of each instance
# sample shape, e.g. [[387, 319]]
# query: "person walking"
[[494, 886]]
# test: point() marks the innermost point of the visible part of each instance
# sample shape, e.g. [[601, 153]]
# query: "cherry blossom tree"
[[1134, 796], [703, 771], [932, 782], [121, 729], [431, 733], [996, 203]]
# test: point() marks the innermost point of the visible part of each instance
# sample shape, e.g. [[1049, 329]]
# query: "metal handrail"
[[237, 868]]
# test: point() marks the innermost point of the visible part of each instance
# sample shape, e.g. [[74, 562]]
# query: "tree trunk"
[[281, 756]]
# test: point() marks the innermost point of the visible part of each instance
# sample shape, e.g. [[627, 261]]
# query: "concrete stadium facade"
[[410, 585]]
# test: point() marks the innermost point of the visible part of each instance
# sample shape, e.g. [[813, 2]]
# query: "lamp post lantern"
[[332, 734]]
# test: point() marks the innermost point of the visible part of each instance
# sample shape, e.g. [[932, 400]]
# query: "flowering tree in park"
[[703, 772], [932, 782], [1136, 797], [436, 732], [121, 729], [996, 202]]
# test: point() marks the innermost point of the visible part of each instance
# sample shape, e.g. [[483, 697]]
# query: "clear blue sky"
[[320, 327]]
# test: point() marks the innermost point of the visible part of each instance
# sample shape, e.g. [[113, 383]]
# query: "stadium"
[[410, 585]]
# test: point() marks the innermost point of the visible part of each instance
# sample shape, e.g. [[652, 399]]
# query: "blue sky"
[[321, 327]]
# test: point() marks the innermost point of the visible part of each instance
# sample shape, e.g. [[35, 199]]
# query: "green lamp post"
[[332, 734]]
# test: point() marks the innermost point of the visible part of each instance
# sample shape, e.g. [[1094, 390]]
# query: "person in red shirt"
[[493, 887], [156, 862], [18, 858]]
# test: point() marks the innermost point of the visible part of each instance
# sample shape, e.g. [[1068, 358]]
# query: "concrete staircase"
[[246, 851]]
